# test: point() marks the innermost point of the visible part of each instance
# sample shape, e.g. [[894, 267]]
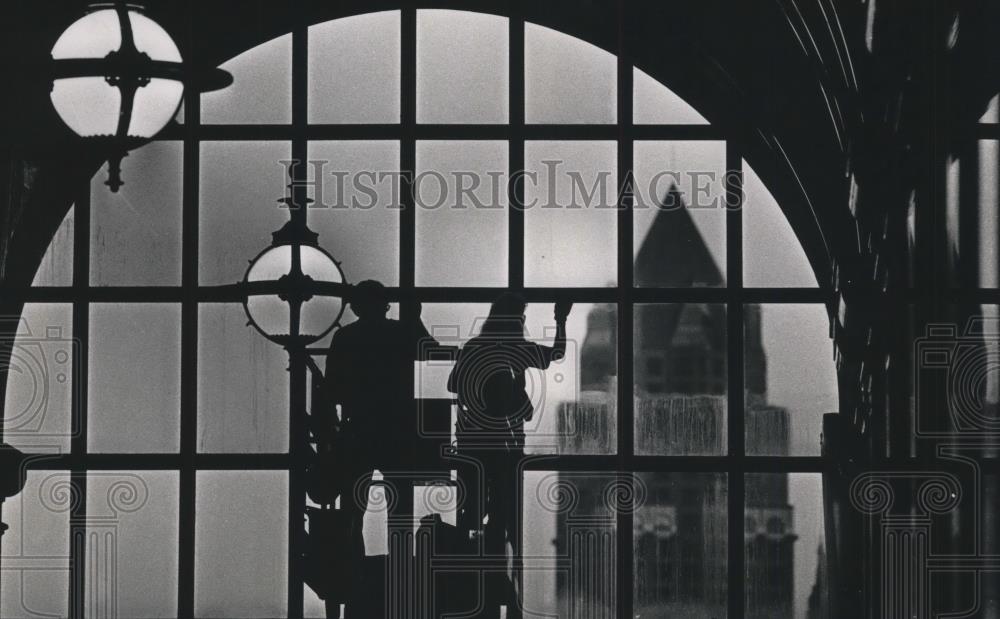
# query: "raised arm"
[[561, 313]]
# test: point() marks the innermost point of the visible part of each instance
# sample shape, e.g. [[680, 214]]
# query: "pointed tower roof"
[[674, 253]]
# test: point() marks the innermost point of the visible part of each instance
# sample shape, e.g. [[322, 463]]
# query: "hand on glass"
[[562, 309]]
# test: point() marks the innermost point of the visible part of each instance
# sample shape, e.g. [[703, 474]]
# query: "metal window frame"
[[190, 295]]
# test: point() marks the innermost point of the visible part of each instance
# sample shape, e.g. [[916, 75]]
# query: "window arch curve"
[[201, 201]]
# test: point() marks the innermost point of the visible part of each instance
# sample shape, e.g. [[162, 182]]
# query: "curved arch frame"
[[743, 140]]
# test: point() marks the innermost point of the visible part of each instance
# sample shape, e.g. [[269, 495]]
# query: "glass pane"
[[773, 256], [131, 545], [569, 517], [567, 80], [41, 378], [241, 544], [134, 388], [791, 378], [241, 183], [783, 544], [680, 379], [56, 268], [570, 219], [460, 191], [135, 234], [989, 225], [462, 67], [242, 385], [261, 92], [680, 536], [356, 211], [451, 324], [35, 550], [655, 104], [354, 69], [992, 113], [679, 221], [575, 399]]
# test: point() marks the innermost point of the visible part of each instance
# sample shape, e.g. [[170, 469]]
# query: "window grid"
[[190, 295]]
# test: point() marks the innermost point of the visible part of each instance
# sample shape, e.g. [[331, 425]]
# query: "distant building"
[[819, 605], [680, 409]]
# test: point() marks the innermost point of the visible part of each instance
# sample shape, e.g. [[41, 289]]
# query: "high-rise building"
[[680, 384]]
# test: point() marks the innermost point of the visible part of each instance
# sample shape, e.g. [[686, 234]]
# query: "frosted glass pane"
[[680, 534], [653, 103], [567, 80], [773, 256], [461, 197], [134, 388], [571, 219], [135, 234], [679, 222], [242, 385], [241, 544], [261, 92], [56, 268], [575, 399], [241, 183], [783, 529], [681, 384], [462, 67], [989, 224], [354, 69], [356, 208], [569, 519], [41, 380], [454, 323], [131, 544], [35, 550], [790, 381]]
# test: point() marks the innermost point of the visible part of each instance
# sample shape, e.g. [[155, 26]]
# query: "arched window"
[[698, 346]]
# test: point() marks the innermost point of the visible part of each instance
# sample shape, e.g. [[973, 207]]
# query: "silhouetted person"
[[489, 379], [369, 373]]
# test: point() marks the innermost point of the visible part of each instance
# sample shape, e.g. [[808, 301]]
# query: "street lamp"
[[294, 295], [117, 79], [294, 289]]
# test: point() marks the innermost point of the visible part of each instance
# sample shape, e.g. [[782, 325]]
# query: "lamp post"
[[294, 296], [117, 79]]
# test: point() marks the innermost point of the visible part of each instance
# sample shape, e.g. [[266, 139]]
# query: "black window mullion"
[[515, 200], [297, 396], [189, 357], [625, 400], [736, 437], [408, 150], [78, 440]]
